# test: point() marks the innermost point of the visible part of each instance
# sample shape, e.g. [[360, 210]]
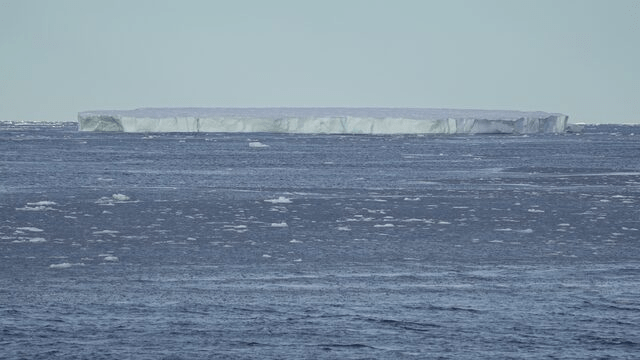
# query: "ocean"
[[275, 246]]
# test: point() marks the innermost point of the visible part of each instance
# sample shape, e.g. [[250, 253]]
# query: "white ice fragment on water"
[[266, 256], [120, 197], [297, 260], [64, 265], [38, 206], [257, 144], [412, 199], [279, 225], [29, 228], [106, 232], [535, 211], [279, 200], [108, 257], [294, 241], [344, 228], [525, 231], [37, 240], [387, 225], [42, 203]]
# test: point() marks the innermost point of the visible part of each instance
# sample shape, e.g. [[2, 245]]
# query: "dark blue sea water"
[[198, 246]]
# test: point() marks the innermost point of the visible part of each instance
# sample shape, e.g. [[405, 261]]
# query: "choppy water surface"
[[183, 246]]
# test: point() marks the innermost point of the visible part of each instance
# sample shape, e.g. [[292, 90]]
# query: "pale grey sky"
[[578, 57]]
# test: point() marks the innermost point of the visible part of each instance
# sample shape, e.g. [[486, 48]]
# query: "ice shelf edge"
[[376, 122]]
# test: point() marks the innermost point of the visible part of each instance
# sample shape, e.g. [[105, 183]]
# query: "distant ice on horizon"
[[324, 120]]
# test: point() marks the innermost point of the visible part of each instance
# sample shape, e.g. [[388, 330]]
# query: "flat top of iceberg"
[[306, 112]]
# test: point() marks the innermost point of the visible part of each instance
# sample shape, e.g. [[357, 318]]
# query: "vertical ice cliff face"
[[323, 121]]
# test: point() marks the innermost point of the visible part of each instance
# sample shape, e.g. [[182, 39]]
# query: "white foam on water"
[[37, 240]]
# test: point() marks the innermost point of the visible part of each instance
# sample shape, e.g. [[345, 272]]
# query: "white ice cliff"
[[323, 121]]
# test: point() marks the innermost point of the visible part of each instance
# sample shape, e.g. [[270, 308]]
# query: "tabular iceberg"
[[324, 121]]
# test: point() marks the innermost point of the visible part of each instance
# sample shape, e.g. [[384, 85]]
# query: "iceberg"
[[324, 121]]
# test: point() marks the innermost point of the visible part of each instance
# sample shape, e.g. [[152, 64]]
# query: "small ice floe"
[[64, 265], [279, 225], [106, 232], [387, 225], [37, 240], [257, 144], [297, 260], [120, 197], [38, 206], [412, 199], [266, 256], [29, 228], [535, 211], [279, 200], [344, 228], [113, 199], [108, 257], [294, 241], [236, 228], [525, 231]]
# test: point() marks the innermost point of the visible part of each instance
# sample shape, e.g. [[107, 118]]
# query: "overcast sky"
[[581, 58]]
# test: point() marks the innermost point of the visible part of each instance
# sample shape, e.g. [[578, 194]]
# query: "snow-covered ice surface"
[[323, 121], [199, 246]]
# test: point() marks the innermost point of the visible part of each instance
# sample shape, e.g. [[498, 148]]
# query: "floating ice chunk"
[[29, 228], [42, 203], [279, 200], [257, 144], [323, 121], [38, 206], [106, 232], [37, 240], [279, 225], [64, 265], [383, 225], [294, 241], [266, 256], [535, 211], [108, 257], [120, 197]]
